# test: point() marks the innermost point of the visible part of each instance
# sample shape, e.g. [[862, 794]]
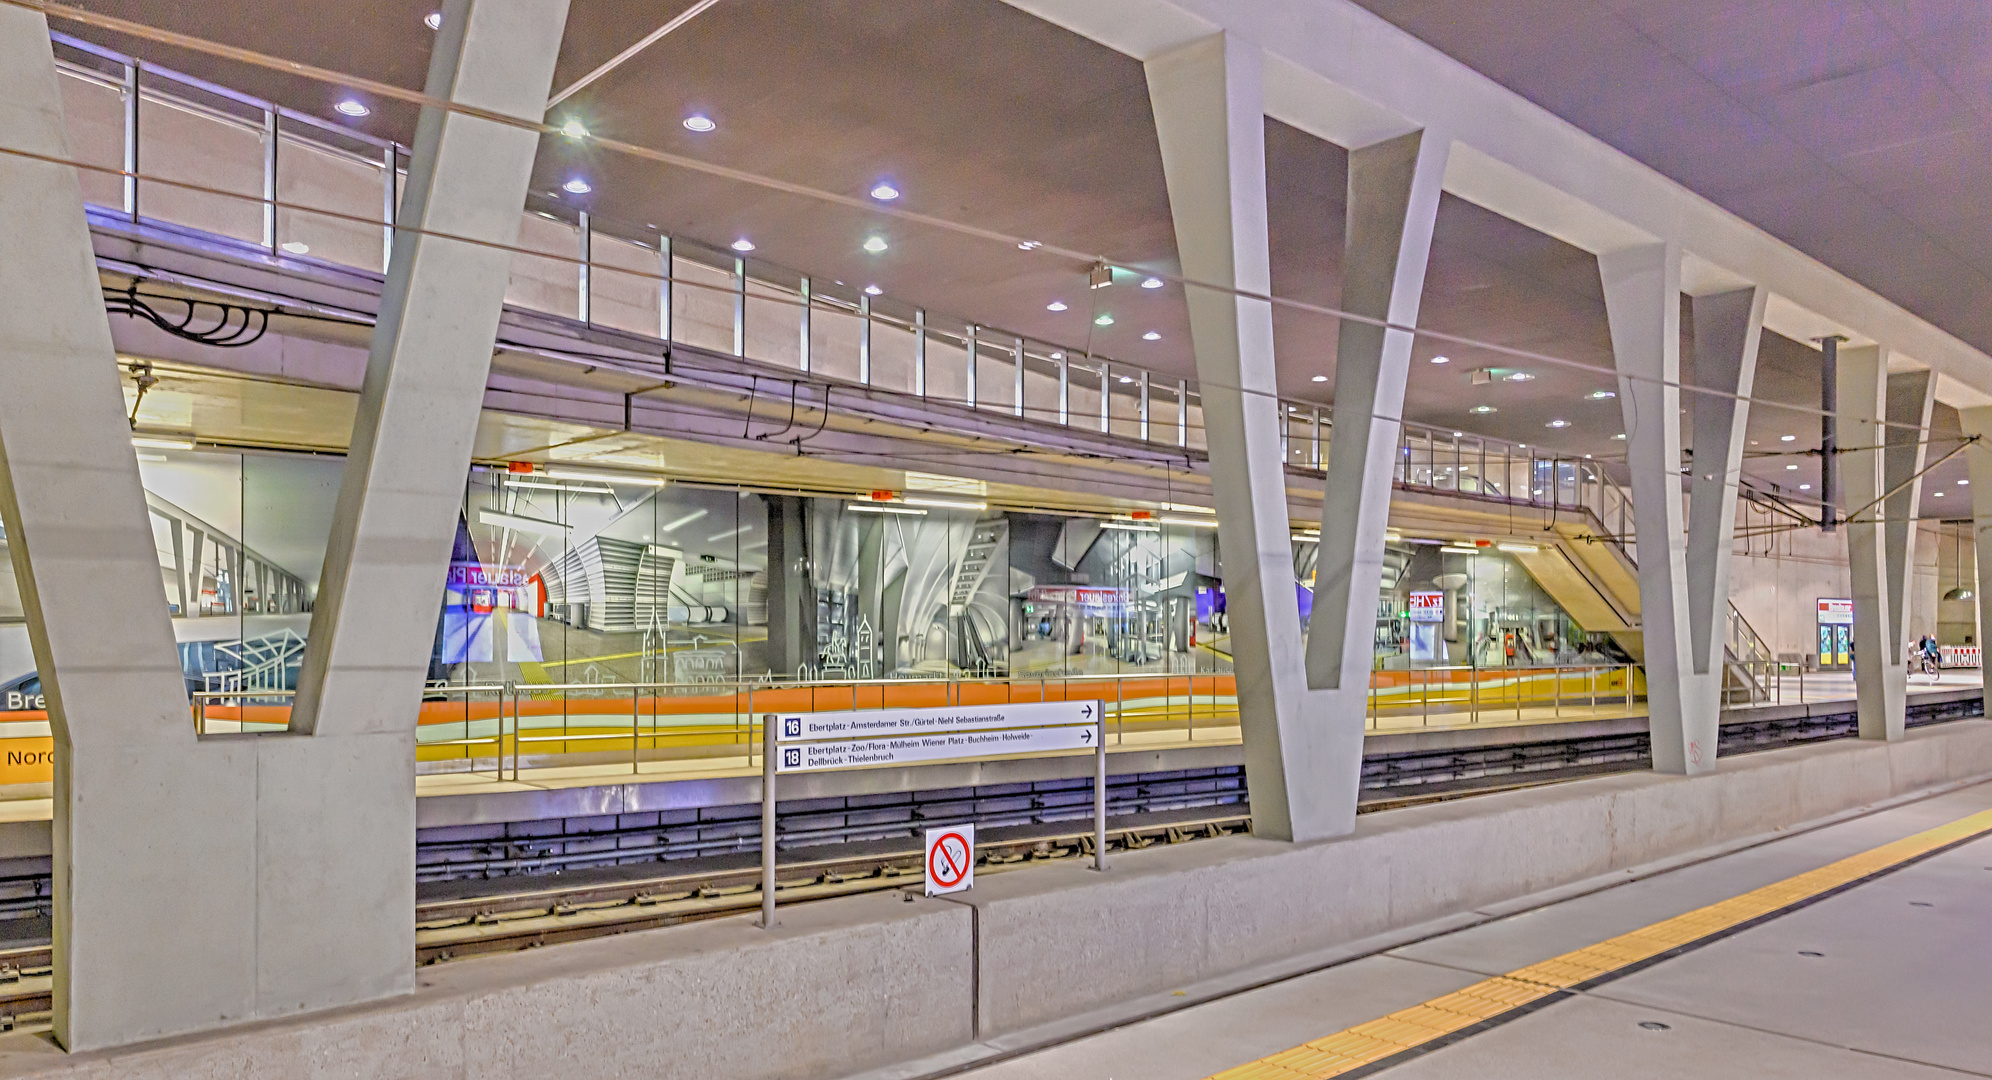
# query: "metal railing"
[[1475, 695]]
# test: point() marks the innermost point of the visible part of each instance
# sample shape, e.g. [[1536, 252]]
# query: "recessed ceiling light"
[[1520, 376], [1787, 438], [1321, 378], [1458, 434], [1962, 483], [574, 129], [1521, 446], [874, 244], [1601, 395], [1104, 320], [1441, 359], [884, 192], [433, 20], [1127, 378], [1030, 245], [1791, 468], [1558, 424], [1055, 305], [578, 186], [297, 247], [1058, 356], [699, 122], [1805, 487], [1620, 436], [1152, 283], [873, 290], [352, 107], [1151, 336], [743, 244], [1940, 494], [1483, 409]]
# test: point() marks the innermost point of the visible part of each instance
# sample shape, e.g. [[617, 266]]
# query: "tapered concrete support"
[[1210, 122], [1727, 329], [1977, 423], [204, 882], [1393, 204], [1883, 498], [1643, 304]]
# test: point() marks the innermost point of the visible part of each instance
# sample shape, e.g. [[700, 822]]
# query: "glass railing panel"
[[834, 330], [93, 121], [1040, 384], [1566, 483], [774, 324], [701, 304], [995, 372], [549, 283], [1165, 413], [1087, 402], [1445, 461], [1197, 439], [313, 172], [947, 364], [625, 285], [892, 351], [1124, 409], [207, 141], [1470, 466]]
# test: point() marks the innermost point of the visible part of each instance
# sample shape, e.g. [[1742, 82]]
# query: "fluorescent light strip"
[[944, 504], [1194, 523], [1187, 508], [1518, 549], [163, 442], [648, 479], [884, 508], [1454, 549], [686, 520], [1129, 526]]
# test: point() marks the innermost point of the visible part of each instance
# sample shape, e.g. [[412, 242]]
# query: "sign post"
[[820, 742]]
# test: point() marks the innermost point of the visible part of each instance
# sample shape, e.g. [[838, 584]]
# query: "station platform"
[[1854, 950]]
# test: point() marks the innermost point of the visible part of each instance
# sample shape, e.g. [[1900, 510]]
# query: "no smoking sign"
[[950, 859]]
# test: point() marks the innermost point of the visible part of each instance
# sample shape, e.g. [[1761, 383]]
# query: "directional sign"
[[950, 859], [851, 753], [947, 720]]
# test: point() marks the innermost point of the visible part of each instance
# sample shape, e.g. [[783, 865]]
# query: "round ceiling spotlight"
[[1055, 305], [1151, 336], [574, 129], [1787, 438], [1620, 437], [873, 290], [1104, 320], [1321, 378], [1520, 376], [1127, 378], [875, 244], [1441, 359], [1805, 487], [1791, 468], [1484, 409], [1152, 283], [352, 107], [433, 20], [743, 244], [1557, 424], [1603, 395], [699, 122], [578, 186], [885, 192]]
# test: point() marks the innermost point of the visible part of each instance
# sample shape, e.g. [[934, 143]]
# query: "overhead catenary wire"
[[254, 58]]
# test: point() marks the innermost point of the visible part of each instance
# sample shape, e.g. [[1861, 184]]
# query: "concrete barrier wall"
[[853, 984]]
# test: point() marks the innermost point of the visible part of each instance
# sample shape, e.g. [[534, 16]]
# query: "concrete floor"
[[1901, 990]]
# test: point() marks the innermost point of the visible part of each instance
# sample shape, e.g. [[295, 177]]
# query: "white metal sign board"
[[950, 859], [873, 722], [852, 753]]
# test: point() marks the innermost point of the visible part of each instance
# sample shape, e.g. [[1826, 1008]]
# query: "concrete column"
[[1727, 329], [204, 882], [1210, 121], [1879, 524], [1977, 423], [1643, 303], [1392, 206]]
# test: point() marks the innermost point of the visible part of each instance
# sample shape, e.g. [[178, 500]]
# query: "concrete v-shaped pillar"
[[1882, 502], [201, 882], [1727, 329], [1977, 423], [1210, 121]]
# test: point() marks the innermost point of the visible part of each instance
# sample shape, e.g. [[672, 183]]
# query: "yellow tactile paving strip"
[[1420, 1025]]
